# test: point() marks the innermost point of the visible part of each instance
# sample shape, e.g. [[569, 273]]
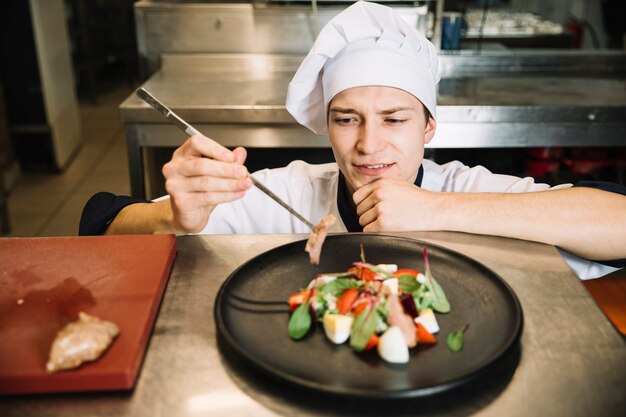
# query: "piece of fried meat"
[[80, 341], [317, 237]]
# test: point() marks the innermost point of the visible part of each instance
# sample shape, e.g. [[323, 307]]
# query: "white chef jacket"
[[312, 191]]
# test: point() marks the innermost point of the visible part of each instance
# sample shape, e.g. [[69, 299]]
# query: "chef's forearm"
[[585, 222], [144, 218]]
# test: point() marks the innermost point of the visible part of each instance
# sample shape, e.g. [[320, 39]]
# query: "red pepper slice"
[[348, 297], [372, 342], [359, 307], [363, 273], [403, 272], [298, 298], [424, 336]]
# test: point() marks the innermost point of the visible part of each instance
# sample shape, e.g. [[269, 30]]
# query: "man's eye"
[[396, 121], [344, 120]]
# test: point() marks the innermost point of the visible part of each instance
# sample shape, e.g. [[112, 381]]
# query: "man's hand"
[[201, 175], [394, 205]]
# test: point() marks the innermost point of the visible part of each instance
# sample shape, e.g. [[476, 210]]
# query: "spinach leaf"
[[408, 284], [423, 298], [299, 322], [338, 286], [440, 301], [339, 274], [363, 327]]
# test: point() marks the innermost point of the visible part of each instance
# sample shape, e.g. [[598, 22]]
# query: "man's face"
[[378, 132]]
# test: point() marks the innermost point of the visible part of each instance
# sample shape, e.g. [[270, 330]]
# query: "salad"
[[371, 306]]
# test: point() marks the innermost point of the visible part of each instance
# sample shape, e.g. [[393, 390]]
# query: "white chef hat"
[[366, 44]]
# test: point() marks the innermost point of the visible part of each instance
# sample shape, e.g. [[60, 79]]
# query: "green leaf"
[[363, 327], [383, 309], [321, 306], [338, 286], [440, 301], [423, 299], [299, 322], [338, 274], [455, 339], [408, 284]]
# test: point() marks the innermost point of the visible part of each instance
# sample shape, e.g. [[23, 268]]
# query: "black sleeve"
[[100, 210], [603, 185], [614, 188]]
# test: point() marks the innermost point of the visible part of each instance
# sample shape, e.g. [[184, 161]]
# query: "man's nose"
[[370, 139]]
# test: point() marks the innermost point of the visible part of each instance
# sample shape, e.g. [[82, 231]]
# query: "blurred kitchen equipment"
[[38, 79], [452, 26], [261, 26], [541, 161], [587, 160], [7, 161]]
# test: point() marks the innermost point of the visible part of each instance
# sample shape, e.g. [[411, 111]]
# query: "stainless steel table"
[[483, 102], [572, 362]]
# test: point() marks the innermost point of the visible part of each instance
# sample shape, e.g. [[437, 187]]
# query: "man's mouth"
[[372, 169]]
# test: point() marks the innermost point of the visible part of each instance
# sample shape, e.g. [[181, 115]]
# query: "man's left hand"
[[394, 205]]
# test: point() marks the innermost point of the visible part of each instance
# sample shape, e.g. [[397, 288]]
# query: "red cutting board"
[[610, 294], [45, 282]]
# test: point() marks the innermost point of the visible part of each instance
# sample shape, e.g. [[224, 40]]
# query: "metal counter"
[[238, 100], [572, 362]]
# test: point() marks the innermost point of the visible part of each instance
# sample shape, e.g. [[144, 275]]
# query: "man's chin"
[[359, 181]]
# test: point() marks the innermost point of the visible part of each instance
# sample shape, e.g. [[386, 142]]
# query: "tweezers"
[[143, 94]]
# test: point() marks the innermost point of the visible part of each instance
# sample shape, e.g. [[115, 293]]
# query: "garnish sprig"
[[455, 339]]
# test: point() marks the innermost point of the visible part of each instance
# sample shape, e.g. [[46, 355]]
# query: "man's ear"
[[431, 127]]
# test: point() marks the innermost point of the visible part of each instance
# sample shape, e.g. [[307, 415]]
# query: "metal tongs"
[[190, 130]]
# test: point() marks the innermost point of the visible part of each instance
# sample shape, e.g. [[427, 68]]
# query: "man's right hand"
[[202, 174]]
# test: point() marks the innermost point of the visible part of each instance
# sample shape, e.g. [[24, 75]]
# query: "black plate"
[[251, 317]]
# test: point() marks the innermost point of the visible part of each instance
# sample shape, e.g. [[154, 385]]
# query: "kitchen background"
[[67, 66]]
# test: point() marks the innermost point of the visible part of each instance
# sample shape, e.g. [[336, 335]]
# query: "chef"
[[369, 82]]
